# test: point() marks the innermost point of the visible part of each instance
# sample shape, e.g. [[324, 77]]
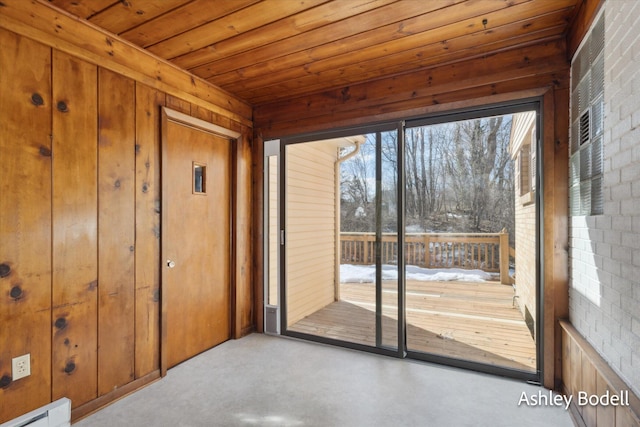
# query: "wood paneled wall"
[[586, 372], [75, 225], [116, 229], [25, 221], [80, 227]]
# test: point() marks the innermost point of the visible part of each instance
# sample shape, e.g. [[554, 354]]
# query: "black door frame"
[[531, 104], [318, 136]]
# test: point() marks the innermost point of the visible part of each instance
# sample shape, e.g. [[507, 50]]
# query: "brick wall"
[[605, 249], [525, 231], [525, 279]]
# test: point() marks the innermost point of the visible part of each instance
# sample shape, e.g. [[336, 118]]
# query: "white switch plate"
[[21, 366]]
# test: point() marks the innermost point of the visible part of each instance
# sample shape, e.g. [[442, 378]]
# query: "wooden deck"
[[466, 320]]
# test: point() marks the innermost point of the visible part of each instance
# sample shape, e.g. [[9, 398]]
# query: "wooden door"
[[196, 225]]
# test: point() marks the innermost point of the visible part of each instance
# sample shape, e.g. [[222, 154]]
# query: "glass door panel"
[[341, 239], [470, 240]]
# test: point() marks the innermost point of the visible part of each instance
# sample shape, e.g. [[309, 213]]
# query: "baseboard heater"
[[56, 414]]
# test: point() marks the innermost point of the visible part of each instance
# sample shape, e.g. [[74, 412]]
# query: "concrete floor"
[[272, 381]]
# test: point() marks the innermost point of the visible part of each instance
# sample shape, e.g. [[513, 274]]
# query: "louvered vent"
[[585, 132]]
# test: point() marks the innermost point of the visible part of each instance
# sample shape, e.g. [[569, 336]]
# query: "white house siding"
[[605, 249], [310, 227]]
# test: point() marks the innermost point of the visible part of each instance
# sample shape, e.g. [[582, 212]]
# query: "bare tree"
[[480, 170], [357, 194], [459, 170]]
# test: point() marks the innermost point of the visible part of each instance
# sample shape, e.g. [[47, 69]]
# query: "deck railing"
[[484, 251]]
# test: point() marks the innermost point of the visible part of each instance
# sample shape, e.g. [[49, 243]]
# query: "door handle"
[[170, 263]]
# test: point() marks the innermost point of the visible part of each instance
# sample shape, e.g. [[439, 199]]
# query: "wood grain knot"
[[16, 292], [70, 367], [5, 381], [345, 94], [62, 107], [36, 99], [156, 295], [5, 270], [45, 151], [61, 323]]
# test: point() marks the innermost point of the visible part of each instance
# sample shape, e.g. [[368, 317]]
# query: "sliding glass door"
[[417, 238]]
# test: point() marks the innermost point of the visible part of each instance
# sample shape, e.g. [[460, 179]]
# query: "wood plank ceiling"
[[272, 50]]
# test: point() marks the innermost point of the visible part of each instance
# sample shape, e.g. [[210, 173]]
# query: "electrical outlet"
[[21, 366]]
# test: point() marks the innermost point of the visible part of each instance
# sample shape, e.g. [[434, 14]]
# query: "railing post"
[[505, 279], [365, 250], [427, 252]]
